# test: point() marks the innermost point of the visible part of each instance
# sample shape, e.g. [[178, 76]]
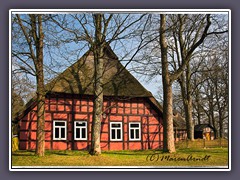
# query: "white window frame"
[[80, 127], [134, 129], [121, 131], [54, 127]]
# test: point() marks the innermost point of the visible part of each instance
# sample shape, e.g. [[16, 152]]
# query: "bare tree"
[[30, 26], [169, 78], [99, 31], [22, 90], [216, 106], [168, 141], [98, 50], [210, 84]]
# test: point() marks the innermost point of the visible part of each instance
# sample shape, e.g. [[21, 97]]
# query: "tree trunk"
[[221, 133], [168, 134], [198, 107], [213, 119], [188, 112], [187, 103], [188, 117], [40, 145], [97, 110], [220, 116], [220, 110], [186, 51], [98, 85]]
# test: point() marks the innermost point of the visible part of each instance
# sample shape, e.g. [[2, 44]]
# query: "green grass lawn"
[[199, 157]]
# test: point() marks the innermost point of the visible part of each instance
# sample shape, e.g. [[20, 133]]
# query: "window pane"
[[134, 125], [59, 123], [116, 125], [62, 132], [77, 133], [118, 134], [113, 134], [83, 132], [132, 134], [80, 123], [137, 134], [56, 132]]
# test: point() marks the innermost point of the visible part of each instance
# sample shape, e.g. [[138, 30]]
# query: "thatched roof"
[[178, 121], [79, 78]]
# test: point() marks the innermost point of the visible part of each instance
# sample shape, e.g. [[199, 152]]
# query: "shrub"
[[15, 144]]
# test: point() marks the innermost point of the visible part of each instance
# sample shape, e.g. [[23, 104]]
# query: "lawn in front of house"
[[183, 157]]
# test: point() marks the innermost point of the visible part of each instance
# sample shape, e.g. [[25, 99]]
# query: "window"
[[115, 131], [80, 130], [59, 130], [134, 131]]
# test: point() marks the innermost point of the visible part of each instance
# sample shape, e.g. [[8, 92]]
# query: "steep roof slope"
[[178, 121], [79, 78]]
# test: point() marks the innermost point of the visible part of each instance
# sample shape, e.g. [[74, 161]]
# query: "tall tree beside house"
[[185, 37], [30, 52], [99, 31], [168, 78], [98, 51], [180, 37], [168, 140], [99, 43]]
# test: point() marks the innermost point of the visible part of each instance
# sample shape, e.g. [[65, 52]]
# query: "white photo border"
[[119, 168]]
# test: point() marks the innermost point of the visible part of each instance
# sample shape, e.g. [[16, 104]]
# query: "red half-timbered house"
[[131, 119]]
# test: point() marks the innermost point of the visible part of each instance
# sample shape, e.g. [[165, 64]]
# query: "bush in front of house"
[[15, 143]]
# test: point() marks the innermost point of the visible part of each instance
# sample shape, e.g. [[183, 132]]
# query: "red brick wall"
[[70, 108]]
